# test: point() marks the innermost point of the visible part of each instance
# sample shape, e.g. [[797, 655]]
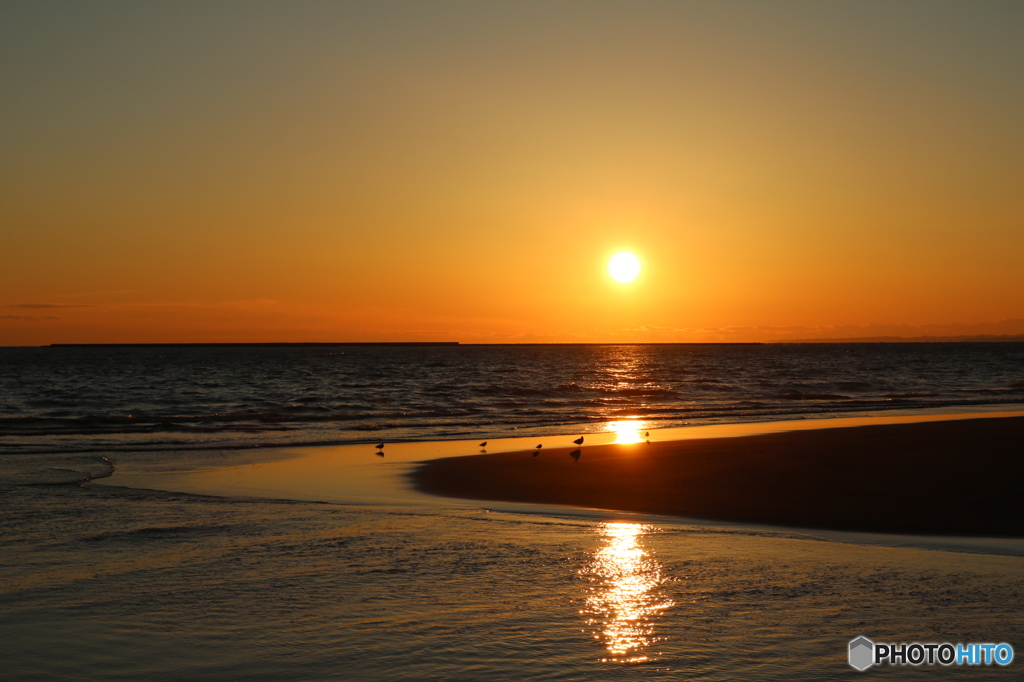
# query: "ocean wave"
[[801, 395]]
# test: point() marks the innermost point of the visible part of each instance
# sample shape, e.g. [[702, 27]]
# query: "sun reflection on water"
[[627, 430], [623, 603]]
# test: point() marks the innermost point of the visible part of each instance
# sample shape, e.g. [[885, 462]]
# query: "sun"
[[624, 267]]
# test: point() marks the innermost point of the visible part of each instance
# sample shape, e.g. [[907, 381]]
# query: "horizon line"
[[982, 338]]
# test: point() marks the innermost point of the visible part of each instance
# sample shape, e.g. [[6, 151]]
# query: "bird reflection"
[[623, 601]]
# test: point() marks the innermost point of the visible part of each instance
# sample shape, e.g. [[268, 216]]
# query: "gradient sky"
[[348, 171]]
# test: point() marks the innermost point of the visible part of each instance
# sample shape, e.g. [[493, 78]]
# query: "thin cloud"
[[48, 306], [27, 318]]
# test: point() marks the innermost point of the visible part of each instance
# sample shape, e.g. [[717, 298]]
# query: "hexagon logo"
[[862, 653]]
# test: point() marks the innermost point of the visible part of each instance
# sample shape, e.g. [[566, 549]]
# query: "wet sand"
[[961, 477]]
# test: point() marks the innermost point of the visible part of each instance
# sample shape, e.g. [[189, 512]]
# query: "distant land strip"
[[272, 343], [394, 343], [389, 343]]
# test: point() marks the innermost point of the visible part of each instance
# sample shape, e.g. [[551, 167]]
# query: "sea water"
[[154, 577], [103, 398]]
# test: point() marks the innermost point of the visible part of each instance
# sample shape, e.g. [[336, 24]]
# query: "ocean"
[[132, 549], [68, 399]]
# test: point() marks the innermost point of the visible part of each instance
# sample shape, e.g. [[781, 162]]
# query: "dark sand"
[[949, 477]]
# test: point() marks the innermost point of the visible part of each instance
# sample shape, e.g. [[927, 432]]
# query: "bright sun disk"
[[624, 267]]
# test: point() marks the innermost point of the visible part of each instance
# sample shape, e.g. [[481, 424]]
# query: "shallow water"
[[104, 582]]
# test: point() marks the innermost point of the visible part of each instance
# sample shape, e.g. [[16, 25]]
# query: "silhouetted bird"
[[539, 446], [484, 444], [380, 446], [647, 434], [579, 441], [575, 454]]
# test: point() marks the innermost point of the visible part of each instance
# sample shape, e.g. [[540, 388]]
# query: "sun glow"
[[624, 267], [626, 431]]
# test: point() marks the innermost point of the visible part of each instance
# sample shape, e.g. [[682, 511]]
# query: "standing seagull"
[[380, 446], [579, 441], [484, 444], [539, 446]]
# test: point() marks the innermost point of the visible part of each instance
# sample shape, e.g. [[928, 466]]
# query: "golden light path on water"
[[623, 603]]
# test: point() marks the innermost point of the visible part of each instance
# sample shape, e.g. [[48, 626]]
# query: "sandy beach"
[[945, 477]]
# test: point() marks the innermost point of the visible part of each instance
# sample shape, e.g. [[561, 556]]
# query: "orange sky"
[[329, 171]]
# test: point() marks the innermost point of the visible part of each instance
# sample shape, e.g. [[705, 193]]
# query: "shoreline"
[[954, 477]]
